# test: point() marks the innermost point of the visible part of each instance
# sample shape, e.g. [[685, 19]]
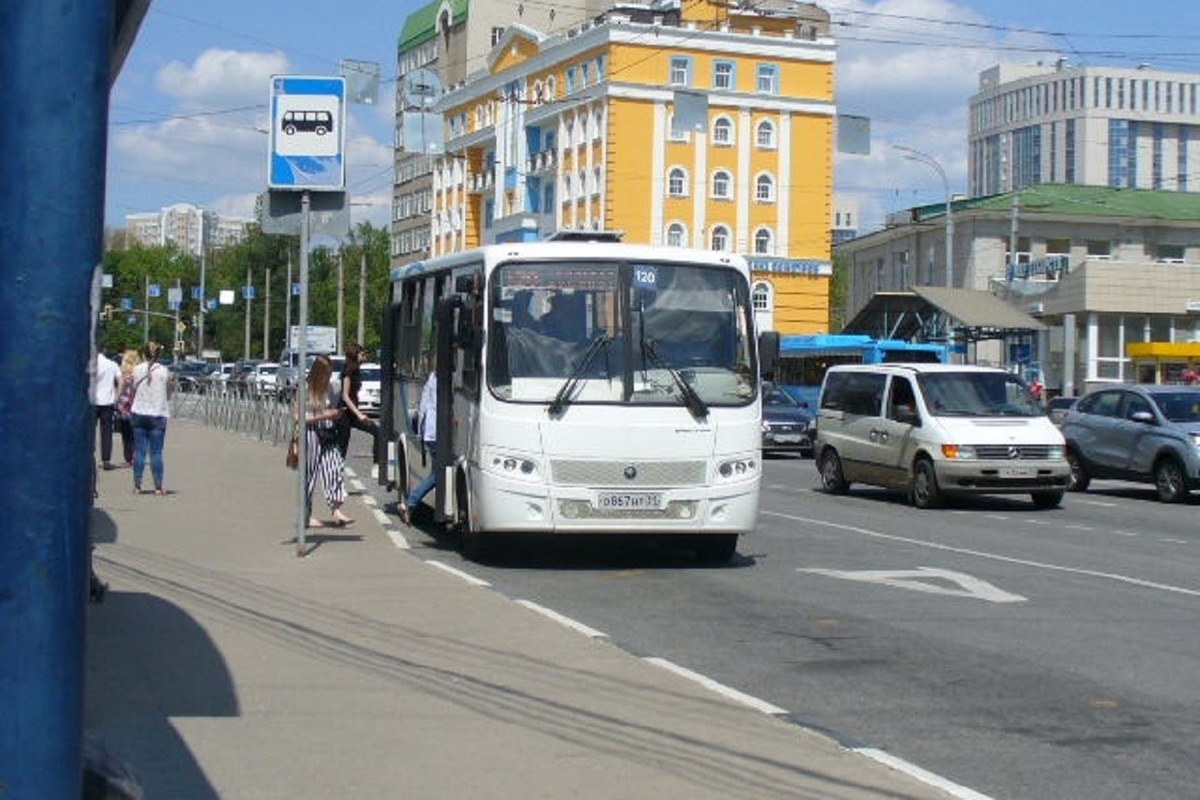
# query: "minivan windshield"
[[978, 394]]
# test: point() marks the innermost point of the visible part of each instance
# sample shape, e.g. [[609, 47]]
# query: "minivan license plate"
[[629, 501], [1017, 472]]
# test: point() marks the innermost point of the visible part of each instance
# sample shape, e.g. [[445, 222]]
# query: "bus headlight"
[[737, 469], [513, 466]]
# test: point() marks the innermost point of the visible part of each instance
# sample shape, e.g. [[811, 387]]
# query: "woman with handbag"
[[122, 416], [321, 415], [149, 414]]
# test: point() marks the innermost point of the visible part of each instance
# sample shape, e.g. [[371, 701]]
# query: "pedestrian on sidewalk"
[[104, 397], [353, 416], [149, 414], [321, 414], [427, 430], [123, 410]]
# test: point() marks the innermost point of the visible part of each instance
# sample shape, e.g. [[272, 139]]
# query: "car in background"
[[261, 380], [787, 424], [1147, 433], [192, 376], [369, 396], [1057, 408], [218, 379]]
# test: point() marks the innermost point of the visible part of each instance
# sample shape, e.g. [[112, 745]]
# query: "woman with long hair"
[[353, 417], [124, 407], [149, 414], [321, 416]]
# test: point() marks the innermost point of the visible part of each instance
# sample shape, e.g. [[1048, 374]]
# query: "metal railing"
[[260, 415]]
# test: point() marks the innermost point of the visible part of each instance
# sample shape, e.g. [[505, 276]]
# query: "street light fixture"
[[916, 155]]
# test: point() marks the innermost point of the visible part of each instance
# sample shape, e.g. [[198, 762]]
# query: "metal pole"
[[301, 398], [146, 311], [54, 151], [267, 315], [287, 299], [362, 294], [913, 154], [246, 296], [341, 299], [203, 301]]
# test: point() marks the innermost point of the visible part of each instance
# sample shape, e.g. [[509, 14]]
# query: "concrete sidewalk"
[[221, 665]]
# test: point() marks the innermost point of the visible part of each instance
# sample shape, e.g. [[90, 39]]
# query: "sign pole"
[[301, 399]]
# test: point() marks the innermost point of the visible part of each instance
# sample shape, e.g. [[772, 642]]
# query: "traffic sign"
[[308, 130]]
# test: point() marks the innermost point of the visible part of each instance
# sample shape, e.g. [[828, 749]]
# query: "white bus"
[[583, 388]]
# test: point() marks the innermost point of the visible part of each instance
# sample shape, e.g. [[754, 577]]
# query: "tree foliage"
[[254, 328]]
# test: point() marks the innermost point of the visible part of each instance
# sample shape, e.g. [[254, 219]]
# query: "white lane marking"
[[1174, 541], [368, 499], [574, 625], [1094, 503], [466, 576], [1164, 587], [1037, 522], [778, 487], [397, 539], [1000, 517], [719, 688], [923, 775], [919, 580], [1125, 533], [1078, 528]]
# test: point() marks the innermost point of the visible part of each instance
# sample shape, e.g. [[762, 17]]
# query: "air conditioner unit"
[[1035, 308]]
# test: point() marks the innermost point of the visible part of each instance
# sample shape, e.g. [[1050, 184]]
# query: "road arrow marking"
[[929, 580]]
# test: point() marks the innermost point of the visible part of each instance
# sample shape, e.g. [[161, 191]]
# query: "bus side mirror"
[[768, 352]]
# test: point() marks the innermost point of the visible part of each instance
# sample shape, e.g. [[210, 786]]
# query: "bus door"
[[458, 341]]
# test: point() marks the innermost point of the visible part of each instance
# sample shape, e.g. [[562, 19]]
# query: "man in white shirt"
[[105, 378]]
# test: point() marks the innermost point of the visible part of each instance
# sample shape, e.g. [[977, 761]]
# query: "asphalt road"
[[1021, 653]]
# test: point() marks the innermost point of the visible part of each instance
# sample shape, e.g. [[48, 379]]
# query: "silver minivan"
[[934, 430]]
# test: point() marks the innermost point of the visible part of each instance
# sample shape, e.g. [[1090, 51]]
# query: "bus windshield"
[[609, 332]]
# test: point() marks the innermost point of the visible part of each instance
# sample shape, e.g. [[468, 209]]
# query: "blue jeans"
[[427, 483], [148, 436]]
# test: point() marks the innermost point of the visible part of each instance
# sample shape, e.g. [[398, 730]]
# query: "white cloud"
[[217, 76], [911, 66]]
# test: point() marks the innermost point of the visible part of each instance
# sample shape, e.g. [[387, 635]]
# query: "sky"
[[189, 111]]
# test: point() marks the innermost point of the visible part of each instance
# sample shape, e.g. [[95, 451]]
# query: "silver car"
[[1145, 433]]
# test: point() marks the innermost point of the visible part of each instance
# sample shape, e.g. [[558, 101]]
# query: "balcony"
[[478, 182], [543, 161]]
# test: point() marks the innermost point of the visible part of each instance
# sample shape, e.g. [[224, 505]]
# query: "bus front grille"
[[623, 474]]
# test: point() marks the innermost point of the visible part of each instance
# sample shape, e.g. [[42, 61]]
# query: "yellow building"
[[695, 125]]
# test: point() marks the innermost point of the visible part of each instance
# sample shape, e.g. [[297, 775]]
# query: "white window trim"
[[774, 188], [728, 184], [684, 181], [729, 142]]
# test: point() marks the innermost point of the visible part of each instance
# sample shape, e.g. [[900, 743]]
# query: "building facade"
[[446, 39], [1102, 268], [1098, 126], [190, 228], [694, 124]]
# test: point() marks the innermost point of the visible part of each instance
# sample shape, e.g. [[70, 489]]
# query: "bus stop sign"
[[308, 132]]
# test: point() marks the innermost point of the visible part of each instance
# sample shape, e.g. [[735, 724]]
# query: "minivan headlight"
[[1196, 439], [958, 452]]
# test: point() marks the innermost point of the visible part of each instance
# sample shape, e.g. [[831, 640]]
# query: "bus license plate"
[[629, 501], [1017, 472]]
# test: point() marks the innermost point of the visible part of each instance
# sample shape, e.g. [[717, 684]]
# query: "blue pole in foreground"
[[54, 72]]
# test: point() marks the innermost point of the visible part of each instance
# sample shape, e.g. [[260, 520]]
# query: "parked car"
[[787, 424], [1146, 433], [1058, 407], [218, 379], [240, 379], [934, 430], [369, 396], [192, 376], [261, 380]]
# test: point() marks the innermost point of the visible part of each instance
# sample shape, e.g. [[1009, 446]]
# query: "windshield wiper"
[[690, 399], [599, 345]]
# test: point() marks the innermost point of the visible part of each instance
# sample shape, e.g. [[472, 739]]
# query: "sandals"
[[341, 520], [405, 517]]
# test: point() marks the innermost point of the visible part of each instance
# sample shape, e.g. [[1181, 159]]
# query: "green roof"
[[421, 25], [1075, 200]]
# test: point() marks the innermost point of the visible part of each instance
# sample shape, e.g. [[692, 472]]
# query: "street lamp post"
[[916, 155]]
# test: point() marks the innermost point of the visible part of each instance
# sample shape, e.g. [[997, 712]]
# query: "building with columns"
[[694, 123]]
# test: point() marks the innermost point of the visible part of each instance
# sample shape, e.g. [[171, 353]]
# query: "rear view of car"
[[1144, 433]]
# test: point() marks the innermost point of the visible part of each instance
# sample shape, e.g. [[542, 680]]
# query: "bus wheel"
[[401, 476], [715, 548], [472, 541]]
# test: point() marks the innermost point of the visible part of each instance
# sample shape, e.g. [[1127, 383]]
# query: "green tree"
[[135, 273]]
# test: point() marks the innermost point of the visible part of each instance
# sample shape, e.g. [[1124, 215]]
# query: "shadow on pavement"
[[147, 662]]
